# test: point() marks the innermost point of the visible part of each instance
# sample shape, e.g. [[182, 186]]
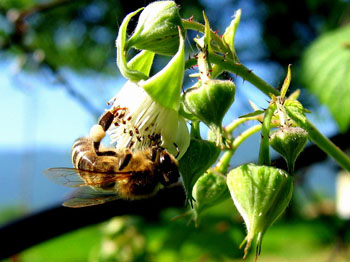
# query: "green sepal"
[[200, 155], [229, 36], [296, 111], [184, 112], [289, 142], [122, 51], [209, 190], [165, 86], [286, 83], [261, 194], [255, 113], [157, 28], [142, 62], [207, 36]]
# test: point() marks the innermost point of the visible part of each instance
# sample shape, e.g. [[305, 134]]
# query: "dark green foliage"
[[76, 34], [326, 73]]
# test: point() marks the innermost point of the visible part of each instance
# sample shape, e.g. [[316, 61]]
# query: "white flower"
[[141, 122]]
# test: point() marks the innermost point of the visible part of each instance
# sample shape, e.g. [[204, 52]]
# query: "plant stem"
[[195, 130], [264, 153], [193, 25], [229, 64], [231, 127], [237, 68], [224, 161], [247, 133], [327, 146]]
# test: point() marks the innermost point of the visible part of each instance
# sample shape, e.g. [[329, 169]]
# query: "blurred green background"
[[57, 71]]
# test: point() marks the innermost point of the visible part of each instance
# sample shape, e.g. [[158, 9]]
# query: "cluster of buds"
[[151, 111]]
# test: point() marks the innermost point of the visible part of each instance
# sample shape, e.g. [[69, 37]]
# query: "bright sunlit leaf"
[[326, 73]]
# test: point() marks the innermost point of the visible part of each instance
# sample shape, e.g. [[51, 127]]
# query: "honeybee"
[[106, 175]]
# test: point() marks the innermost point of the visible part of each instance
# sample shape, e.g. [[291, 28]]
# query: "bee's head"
[[167, 167]]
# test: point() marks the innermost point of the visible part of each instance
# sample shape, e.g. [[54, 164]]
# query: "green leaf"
[[165, 86], [326, 73], [200, 155]]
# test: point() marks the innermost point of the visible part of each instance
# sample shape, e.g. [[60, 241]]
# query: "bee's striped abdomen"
[[83, 154], [84, 157]]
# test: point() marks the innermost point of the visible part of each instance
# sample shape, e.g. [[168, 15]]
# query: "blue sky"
[[37, 113]]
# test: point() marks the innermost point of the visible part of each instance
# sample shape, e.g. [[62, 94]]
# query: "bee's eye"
[[164, 159]]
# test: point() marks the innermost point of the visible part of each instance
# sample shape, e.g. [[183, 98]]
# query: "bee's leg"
[[106, 153], [154, 153], [97, 133], [106, 120], [125, 159]]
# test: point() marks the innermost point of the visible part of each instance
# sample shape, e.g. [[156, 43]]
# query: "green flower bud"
[[157, 28], [209, 190], [210, 101], [261, 194], [289, 142], [200, 155]]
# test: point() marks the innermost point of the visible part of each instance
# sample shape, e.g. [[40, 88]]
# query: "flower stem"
[[237, 68], [231, 127], [228, 64], [327, 146], [195, 130], [264, 153], [247, 133], [224, 161], [193, 25]]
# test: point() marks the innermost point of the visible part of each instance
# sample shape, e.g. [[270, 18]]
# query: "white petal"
[[140, 122]]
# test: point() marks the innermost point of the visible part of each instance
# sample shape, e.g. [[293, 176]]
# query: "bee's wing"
[[71, 177], [86, 196]]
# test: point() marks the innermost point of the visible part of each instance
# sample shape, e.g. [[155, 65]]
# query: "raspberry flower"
[[141, 122], [146, 110]]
